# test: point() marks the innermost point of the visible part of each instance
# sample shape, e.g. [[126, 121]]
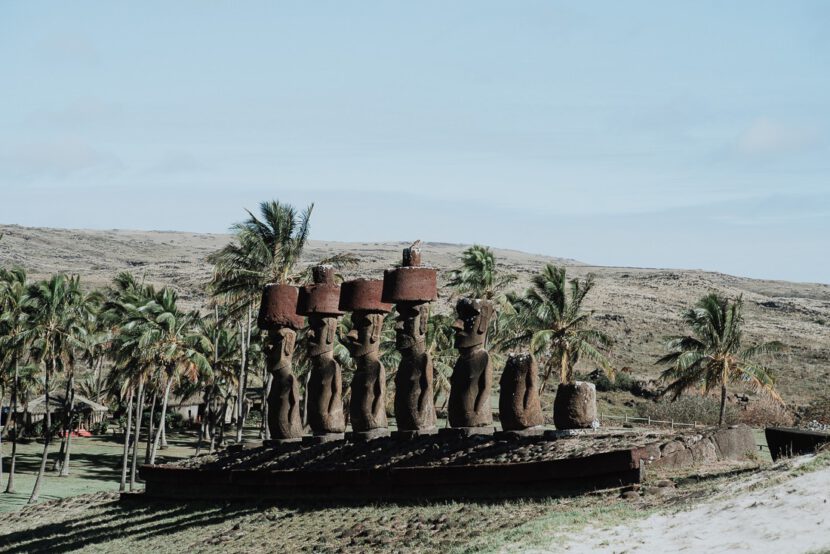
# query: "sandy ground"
[[791, 517]]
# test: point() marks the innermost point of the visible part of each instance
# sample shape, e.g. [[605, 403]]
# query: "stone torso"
[[325, 402], [367, 409], [469, 403], [519, 404], [414, 408], [284, 420]]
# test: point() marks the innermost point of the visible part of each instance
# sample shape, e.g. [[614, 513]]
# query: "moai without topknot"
[[411, 288], [469, 407], [278, 316], [520, 409], [367, 408], [319, 302]]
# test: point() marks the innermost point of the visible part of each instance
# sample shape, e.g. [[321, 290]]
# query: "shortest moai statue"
[[520, 409], [411, 288], [278, 316], [319, 302], [575, 406], [472, 377], [367, 408]]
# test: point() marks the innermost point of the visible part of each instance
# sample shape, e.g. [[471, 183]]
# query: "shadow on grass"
[[116, 521]]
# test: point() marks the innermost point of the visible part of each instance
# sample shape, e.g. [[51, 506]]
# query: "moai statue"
[[319, 301], [520, 409], [411, 288], [367, 409], [278, 316], [472, 377]]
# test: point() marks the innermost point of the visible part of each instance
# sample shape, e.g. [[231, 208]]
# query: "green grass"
[[95, 465]]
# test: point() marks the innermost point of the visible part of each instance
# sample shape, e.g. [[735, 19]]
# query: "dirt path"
[[793, 516]]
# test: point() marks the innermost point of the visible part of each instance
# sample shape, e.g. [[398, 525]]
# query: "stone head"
[[411, 325], [473, 320], [321, 334], [365, 336], [280, 347]]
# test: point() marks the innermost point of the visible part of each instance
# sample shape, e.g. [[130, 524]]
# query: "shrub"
[[688, 409], [762, 412], [621, 382]]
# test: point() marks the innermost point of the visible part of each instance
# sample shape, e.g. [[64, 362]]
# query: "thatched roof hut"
[[83, 404]]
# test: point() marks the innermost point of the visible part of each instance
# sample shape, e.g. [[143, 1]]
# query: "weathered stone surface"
[[735, 443], [325, 388], [323, 296], [278, 315], [472, 376], [367, 409], [363, 295], [575, 406], [278, 308], [411, 282], [414, 408], [519, 404]]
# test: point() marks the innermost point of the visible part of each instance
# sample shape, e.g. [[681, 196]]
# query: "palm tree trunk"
[[139, 412], [724, 377], [125, 455], [243, 376], [46, 439], [58, 466], [268, 380], [68, 431], [163, 425], [10, 484], [722, 404], [151, 425], [157, 438]]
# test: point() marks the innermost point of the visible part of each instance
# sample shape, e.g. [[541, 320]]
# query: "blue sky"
[[651, 134]]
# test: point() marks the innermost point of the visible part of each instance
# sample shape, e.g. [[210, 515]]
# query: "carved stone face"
[[321, 334], [473, 319], [364, 338], [411, 325], [280, 350]]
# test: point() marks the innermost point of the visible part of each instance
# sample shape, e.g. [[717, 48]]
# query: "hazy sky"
[[658, 134]]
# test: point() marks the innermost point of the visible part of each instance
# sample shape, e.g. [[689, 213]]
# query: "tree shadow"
[[119, 520]]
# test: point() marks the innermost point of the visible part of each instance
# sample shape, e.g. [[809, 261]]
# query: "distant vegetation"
[[131, 347]]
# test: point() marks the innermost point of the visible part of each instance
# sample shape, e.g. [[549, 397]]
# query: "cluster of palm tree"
[[124, 343], [549, 320], [130, 345]]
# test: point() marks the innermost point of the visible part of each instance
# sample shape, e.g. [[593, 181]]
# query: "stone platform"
[[440, 466]]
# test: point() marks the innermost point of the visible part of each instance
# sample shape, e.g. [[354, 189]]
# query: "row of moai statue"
[[411, 288]]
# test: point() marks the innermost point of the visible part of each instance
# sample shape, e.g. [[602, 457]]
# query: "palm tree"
[[263, 251], [549, 317], [132, 369], [170, 340], [478, 275], [712, 355], [83, 312], [14, 302], [53, 332]]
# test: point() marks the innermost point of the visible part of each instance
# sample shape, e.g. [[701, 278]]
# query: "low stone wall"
[[442, 467], [734, 443]]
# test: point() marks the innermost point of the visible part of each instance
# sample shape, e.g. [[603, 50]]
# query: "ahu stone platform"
[[441, 466]]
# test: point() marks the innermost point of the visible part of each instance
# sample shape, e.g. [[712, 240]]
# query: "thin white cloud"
[[79, 112], [176, 163], [59, 159], [68, 48], [766, 138]]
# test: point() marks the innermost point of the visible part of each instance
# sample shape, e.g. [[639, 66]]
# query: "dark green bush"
[[621, 382]]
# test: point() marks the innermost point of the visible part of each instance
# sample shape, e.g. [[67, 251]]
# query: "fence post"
[[649, 420], [694, 425], [625, 419], [672, 423]]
